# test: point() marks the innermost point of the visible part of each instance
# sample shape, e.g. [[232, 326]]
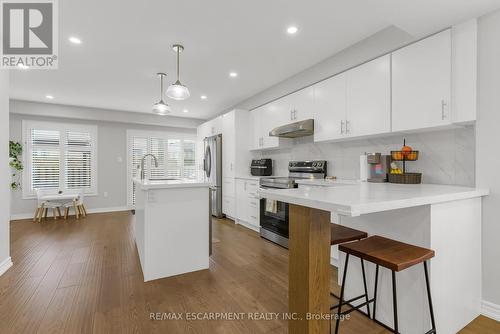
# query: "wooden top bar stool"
[[393, 255], [341, 234]]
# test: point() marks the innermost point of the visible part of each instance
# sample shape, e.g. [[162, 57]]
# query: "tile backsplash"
[[446, 156]]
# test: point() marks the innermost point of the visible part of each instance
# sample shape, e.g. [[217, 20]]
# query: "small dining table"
[[60, 198]]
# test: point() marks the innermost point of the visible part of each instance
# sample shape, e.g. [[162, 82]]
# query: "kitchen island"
[[446, 219], [171, 226]]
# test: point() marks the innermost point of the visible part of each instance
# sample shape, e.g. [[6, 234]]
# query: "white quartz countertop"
[[365, 197], [326, 182], [173, 183]]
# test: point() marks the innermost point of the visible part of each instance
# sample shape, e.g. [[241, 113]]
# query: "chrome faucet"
[[143, 173]]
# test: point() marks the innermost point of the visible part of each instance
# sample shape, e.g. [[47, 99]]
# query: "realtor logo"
[[29, 34]]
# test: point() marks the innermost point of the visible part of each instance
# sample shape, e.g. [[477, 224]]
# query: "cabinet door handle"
[[443, 106], [342, 127]]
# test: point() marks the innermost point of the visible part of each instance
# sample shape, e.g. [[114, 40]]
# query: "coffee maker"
[[375, 167]]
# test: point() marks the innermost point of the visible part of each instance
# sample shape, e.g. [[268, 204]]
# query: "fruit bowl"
[[404, 155]]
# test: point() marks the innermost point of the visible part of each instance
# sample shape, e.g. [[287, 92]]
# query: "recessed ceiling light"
[[50, 97], [22, 66], [233, 74], [203, 97], [185, 110], [75, 40], [292, 30]]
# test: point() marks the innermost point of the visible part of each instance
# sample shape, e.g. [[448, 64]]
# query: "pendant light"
[[160, 107], [178, 91]]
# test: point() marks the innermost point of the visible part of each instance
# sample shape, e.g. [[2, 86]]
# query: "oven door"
[[274, 217]]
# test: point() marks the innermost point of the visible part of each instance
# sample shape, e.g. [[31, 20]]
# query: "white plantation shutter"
[[59, 156], [158, 150], [139, 147], [176, 157], [78, 160], [45, 159], [189, 148]]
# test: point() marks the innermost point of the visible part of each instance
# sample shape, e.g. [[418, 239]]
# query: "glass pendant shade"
[[177, 91], [160, 107]]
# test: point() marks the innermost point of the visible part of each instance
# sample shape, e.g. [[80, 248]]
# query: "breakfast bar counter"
[[444, 218]]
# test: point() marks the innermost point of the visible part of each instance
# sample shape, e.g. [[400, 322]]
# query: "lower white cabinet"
[[229, 206], [247, 203]]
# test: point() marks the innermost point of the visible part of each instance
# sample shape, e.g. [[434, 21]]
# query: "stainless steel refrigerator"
[[212, 165]]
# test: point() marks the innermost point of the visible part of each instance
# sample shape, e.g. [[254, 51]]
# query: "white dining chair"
[[77, 205], [43, 206]]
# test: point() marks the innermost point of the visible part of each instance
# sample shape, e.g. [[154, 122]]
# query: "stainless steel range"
[[274, 214]]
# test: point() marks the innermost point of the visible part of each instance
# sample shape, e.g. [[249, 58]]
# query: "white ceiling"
[[125, 42]]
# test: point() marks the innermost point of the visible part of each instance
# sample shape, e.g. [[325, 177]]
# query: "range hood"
[[294, 130]]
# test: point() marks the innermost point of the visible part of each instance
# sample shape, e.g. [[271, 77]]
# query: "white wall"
[[112, 173], [5, 261], [488, 161]]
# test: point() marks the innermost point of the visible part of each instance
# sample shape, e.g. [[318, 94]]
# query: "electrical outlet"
[[105, 194], [119, 159]]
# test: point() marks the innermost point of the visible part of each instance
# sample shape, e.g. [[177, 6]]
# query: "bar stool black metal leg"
[[394, 302], [339, 310], [366, 289], [431, 309], [375, 293]]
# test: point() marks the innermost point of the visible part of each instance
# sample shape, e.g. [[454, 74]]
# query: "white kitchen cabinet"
[[330, 108], [247, 203], [241, 200], [228, 144], [229, 206], [368, 101], [295, 107], [228, 186], [263, 119], [421, 84], [464, 72], [354, 103]]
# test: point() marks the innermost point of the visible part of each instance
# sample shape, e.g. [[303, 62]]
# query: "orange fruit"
[[406, 150]]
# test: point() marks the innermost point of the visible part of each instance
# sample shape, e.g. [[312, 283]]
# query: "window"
[[176, 154], [59, 156]]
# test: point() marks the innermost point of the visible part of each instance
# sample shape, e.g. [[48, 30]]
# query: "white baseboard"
[[247, 225], [95, 210], [490, 310], [5, 265]]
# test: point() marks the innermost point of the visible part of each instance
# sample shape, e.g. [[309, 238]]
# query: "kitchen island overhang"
[[172, 226], [444, 218]]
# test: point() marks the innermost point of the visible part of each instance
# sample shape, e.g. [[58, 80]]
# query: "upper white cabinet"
[[330, 108], [369, 98], [354, 103], [235, 141], [421, 84], [296, 107], [464, 72], [263, 120], [228, 144]]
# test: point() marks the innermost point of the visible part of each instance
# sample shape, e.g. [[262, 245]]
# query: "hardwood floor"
[[84, 276]]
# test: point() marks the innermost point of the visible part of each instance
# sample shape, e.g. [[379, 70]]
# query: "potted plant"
[[15, 152]]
